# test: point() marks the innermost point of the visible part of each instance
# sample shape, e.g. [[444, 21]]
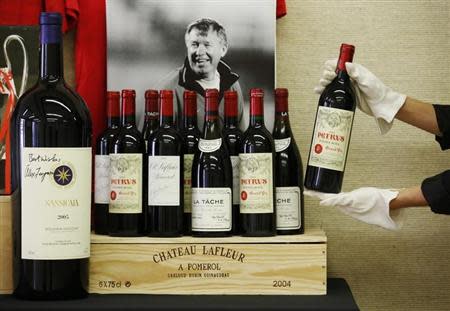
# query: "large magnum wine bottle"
[[51, 136], [151, 121], [288, 165], [233, 139], [165, 174], [332, 130], [212, 177], [102, 163], [191, 135], [126, 216], [257, 170]]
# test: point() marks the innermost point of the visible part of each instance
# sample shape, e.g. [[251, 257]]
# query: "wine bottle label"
[[102, 179], [256, 183], [235, 166], [56, 203], [188, 159], [126, 183], [288, 206], [164, 180], [282, 144], [331, 138], [211, 209], [209, 145]]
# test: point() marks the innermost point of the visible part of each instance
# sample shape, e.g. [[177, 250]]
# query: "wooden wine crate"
[[6, 243], [280, 265]]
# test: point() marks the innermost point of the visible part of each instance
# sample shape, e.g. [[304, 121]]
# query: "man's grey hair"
[[204, 25]]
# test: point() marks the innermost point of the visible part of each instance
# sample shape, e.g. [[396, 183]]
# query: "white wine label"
[[126, 183], [56, 203], [288, 205], [211, 209], [102, 179], [188, 159], [235, 165], [331, 137], [209, 145], [256, 183], [164, 180], [282, 144]]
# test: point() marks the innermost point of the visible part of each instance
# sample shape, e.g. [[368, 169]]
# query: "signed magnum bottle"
[[191, 135], [51, 136], [257, 170], [233, 137], [332, 130], [126, 216], [288, 165], [102, 162], [212, 178], [165, 174]]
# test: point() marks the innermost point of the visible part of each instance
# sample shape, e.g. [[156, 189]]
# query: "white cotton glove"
[[372, 96], [368, 204]]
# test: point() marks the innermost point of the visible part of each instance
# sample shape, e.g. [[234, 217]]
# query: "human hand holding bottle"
[[373, 97]]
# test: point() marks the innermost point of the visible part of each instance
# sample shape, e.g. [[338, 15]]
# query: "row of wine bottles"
[[215, 182]]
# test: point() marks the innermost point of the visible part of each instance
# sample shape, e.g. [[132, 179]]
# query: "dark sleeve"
[[443, 120], [436, 191]]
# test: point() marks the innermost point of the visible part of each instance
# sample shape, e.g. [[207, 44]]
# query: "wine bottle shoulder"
[[106, 139], [128, 140], [165, 141], [55, 103], [338, 94], [257, 139]]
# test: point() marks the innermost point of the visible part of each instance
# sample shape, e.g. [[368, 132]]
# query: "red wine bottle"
[[102, 163], [233, 139], [126, 216], [332, 130], [151, 121], [288, 165], [257, 170], [212, 177], [165, 174], [191, 135], [51, 135]]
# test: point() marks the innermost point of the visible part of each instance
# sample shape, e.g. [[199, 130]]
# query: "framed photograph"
[[195, 45]]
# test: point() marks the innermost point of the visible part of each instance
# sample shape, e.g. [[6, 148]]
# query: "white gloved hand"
[[367, 204], [372, 96]]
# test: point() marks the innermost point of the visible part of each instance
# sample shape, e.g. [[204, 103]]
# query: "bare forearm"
[[419, 114], [409, 197]]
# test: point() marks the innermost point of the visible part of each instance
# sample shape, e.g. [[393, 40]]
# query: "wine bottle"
[[165, 174], [151, 121], [191, 135], [332, 130], [212, 177], [257, 170], [51, 135], [288, 165], [233, 139], [102, 163], [126, 216]]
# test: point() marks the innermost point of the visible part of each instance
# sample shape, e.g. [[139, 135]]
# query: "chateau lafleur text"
[[205, 250]]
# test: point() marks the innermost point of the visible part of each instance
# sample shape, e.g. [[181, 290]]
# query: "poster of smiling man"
[[193, 45]]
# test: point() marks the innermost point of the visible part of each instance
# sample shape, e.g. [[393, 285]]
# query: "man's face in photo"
[[204, 51]]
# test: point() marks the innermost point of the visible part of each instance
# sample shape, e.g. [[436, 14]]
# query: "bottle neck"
[[342, 74], [113, 122], [128, 120], [51, 62], [165, 121], [282, 120], [211, 128], [256, 111], [189, 121], [230, 121]]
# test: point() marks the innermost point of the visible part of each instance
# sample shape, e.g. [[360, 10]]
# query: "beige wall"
[[406, 43]]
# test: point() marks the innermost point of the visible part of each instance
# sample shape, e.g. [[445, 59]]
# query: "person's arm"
[[419, 114], [410, 197]]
